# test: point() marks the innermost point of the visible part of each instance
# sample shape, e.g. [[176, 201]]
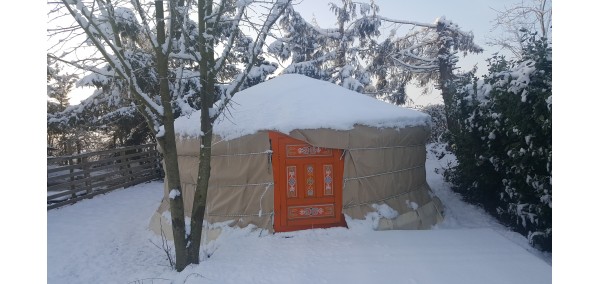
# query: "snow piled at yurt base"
[[384, 154]]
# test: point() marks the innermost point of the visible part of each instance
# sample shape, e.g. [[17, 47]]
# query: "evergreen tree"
[[58, 88], [354, 55], [59, 85], [331, 54]]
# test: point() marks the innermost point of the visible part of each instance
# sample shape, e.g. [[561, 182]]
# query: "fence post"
[[72, 178], [156, 163], [86, 174], [130, 172], [121, 164], [145, 154]]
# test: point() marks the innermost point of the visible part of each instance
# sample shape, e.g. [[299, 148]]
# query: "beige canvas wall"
[[380, 166]]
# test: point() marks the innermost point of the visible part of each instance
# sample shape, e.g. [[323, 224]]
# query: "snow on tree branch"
[[96, 30], [354, 55], [275, 12]]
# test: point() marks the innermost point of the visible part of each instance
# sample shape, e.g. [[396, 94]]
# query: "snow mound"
[[293, 101], [385, 211]]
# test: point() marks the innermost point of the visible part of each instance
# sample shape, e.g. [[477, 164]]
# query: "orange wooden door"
[[308, 185]]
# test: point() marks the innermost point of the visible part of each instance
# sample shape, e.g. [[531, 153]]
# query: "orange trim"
[[308, 182], [311, 211], [306, 150]]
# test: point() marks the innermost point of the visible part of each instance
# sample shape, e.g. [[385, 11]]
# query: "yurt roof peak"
[[292, 101]]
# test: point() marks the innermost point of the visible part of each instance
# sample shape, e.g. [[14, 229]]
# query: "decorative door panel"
[[311, 211], [292, 182], [308, 184], [306, 150]]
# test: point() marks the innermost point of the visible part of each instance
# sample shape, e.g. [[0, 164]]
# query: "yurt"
[[296, 153]]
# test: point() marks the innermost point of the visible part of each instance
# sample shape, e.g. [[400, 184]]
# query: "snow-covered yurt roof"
[[292, 101]]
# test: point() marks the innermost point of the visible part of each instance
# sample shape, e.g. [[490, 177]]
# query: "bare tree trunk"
[[169, 147], [207, 100], [199, 206], [446, 76]]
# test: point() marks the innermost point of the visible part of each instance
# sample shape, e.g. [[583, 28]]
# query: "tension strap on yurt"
[[268, 152], [381, 174], [261, 199], [247, 184], [269, 214], [384, 147], [383, 199]]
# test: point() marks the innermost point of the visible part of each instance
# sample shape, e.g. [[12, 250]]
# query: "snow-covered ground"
[[106, 240]]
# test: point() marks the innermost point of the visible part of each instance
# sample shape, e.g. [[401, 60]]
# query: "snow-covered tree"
[[331, 54], [504, 148], [354, 55], [59, 85], [153, 57]]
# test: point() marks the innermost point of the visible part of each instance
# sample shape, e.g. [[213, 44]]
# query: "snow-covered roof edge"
[[289, 102]]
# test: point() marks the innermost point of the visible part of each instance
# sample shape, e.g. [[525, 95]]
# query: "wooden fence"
[[77, 177]]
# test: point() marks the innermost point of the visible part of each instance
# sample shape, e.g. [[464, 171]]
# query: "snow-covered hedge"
[[504, 145]]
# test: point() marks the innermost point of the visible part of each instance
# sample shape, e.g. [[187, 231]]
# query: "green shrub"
[[504, 144]]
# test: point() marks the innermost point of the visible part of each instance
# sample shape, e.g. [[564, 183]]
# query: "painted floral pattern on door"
[[292, 188], [312, 211], [328, 179], [310, 180], [298, 151]]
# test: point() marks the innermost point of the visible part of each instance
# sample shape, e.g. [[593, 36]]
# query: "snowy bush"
[[504, 145]]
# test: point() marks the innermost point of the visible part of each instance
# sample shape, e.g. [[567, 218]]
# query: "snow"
[[412, 205], [385, 211], [174, 193], [292, 101], [106, 240]]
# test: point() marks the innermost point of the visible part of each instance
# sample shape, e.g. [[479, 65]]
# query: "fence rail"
[[77, 177]]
